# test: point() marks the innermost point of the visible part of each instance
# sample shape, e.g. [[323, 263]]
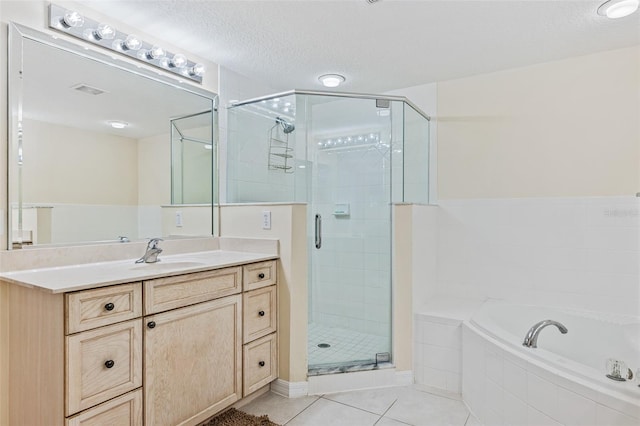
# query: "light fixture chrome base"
[[87, 28]]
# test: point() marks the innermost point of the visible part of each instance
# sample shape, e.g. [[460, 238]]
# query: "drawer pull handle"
[[151, 324], [109, 306], [261, 363], [261, 313], [261, 275], [109, 363]]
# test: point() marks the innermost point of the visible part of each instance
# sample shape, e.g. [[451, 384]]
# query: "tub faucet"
[[151, 255], [531, 339]]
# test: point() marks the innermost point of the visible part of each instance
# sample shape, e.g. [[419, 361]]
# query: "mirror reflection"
[[104, 153]]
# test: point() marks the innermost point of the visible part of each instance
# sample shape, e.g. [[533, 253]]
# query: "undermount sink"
[[167, 265]]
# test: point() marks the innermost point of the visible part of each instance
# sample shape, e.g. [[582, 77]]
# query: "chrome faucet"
[[531, 339], [151, 255]]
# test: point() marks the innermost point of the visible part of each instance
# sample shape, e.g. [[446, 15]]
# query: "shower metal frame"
[[334, 94], [182, 138]]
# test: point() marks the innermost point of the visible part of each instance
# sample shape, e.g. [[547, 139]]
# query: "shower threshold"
[[351, 367]]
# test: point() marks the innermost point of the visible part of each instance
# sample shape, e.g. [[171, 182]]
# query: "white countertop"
[[91, 275]]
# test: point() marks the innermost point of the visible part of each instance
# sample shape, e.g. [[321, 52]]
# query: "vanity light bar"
[[104, 35]]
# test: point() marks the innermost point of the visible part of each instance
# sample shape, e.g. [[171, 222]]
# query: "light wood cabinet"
[[167, 351], [260, 363], [173, 292], [193, 364], [102, 364], [125, 410], [260, 350], [260, 311], [102, 306], [257, 275]]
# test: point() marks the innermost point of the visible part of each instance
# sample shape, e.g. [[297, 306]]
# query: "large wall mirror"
[[76, 175]]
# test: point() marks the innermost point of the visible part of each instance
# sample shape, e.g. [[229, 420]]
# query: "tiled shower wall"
[[248, 176], [573, 252]]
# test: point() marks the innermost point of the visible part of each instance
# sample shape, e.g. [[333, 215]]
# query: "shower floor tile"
[[345, 345]]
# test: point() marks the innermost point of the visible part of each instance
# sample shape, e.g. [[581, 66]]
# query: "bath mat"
[[233, 417]]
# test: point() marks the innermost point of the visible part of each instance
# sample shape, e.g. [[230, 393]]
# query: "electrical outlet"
[[266, 219], [179, 219]]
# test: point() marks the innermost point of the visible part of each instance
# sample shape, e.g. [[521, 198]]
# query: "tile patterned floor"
[[395, 406], [346, 345]]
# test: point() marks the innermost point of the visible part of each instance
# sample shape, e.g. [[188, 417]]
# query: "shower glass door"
[[349, 153]]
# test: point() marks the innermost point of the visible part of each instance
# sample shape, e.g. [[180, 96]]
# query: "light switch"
[[266, 219], [179, 219]]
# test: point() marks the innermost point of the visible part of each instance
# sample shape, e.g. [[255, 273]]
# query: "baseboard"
[[404, 378], [290, 389], [439, 392]]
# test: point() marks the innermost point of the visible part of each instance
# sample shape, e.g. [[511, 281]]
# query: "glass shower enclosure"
[[349, 157]]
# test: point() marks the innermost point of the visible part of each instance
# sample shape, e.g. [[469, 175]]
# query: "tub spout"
[[531, 339]]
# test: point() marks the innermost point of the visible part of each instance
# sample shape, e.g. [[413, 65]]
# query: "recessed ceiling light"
[[618, 8], [117, 124], [331, 80]]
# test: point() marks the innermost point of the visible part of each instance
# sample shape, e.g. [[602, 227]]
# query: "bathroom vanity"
[[170, 343]]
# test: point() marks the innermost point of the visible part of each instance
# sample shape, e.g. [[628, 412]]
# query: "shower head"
[[286, 126]]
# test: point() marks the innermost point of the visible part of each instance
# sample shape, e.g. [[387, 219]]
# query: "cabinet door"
[[193, 362]]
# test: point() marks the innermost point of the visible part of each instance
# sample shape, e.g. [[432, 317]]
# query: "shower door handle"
[[318, 231]]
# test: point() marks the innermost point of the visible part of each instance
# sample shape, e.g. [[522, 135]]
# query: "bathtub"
[[562, 381]]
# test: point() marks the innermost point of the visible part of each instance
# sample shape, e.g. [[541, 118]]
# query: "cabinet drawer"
[[259, 275], [260, 363], [102, 306], [163, 294], [125, 410], [259, 310], [102, 364]]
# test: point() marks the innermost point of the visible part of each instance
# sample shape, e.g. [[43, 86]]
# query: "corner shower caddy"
[[279, 150]]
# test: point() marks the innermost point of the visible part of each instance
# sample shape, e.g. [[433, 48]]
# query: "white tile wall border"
[[575, 252], [437, 344]]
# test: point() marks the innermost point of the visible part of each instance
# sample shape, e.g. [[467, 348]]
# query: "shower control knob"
[[261, 363], [261, 313], [151, 324], [109, 364], [261, 275], [109, 306]]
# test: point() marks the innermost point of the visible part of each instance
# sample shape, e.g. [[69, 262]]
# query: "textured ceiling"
[[382, 46]]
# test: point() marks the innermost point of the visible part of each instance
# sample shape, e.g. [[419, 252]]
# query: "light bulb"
[[132, 42], [118, 124], [72, 19], [104, 32], [331, 80], [197, 70], [156, 52], [178, 61], [614, 9]]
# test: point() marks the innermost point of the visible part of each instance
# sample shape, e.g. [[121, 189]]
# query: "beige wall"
[[288, 225], [563, 128], [34, 14], [154, 170], [402, 324], [89, 167]]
